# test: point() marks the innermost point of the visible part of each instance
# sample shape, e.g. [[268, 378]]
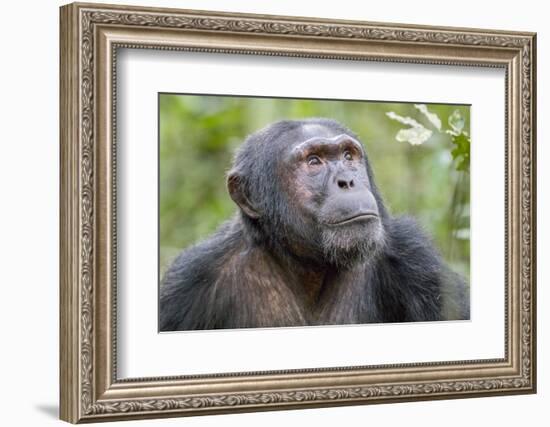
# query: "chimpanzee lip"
[[357, 217]]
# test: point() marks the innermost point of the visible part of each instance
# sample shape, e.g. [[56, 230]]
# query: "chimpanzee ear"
[[237, 190]]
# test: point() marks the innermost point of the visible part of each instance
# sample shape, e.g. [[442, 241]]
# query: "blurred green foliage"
[[428, 179]]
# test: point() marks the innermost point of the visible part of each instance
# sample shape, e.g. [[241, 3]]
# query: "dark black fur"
[[245, 275]]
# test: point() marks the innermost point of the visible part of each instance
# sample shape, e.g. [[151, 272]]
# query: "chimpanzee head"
[[306, 187]]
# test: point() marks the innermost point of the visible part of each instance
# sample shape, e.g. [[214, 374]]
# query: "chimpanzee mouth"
[[362, 216]]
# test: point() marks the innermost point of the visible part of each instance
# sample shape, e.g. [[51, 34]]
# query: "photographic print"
[[280, 212]]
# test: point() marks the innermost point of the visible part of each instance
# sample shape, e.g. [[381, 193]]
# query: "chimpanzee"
[[311, 244]]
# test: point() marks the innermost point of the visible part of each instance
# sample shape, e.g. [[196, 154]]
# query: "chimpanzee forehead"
[[311, 130], [292, 133], [317, 142], [296, 135]]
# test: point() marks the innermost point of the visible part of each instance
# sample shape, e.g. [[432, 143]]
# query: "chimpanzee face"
[[330, 187], [308, 188]]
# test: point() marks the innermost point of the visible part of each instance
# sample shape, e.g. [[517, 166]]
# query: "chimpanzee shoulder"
[[413, 282], [227, 281], [188, 296]]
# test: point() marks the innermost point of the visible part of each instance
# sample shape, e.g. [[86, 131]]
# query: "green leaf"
[[432, 117], [461, 151], [456, 121], [414, 136]]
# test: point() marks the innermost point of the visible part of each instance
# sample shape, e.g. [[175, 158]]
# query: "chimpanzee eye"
[[313, 161], [348, 155]]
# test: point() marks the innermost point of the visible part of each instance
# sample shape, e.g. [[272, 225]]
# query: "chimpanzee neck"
[[307, 276], [308, 279]]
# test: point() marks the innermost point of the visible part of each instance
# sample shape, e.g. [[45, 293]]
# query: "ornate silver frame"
[[90, 36]]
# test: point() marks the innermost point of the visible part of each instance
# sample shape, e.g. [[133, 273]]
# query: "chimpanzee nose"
[[345, 184]]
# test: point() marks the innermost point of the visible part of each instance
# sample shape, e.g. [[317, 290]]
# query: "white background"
[[141, 348], [29, 171]]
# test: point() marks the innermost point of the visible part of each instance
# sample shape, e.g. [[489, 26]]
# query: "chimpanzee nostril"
[[343, 184], [351, 184]]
